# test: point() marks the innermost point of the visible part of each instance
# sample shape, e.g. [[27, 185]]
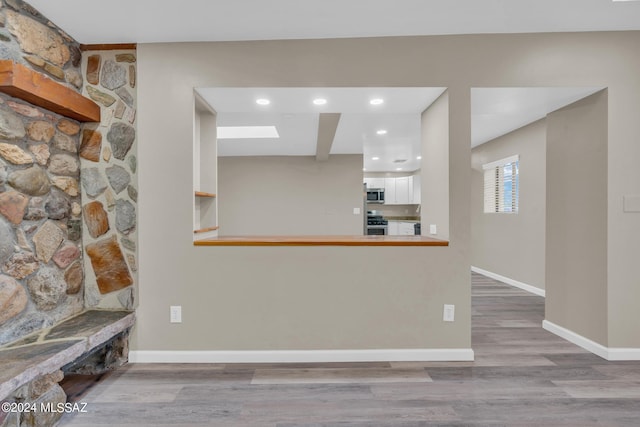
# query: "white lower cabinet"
[[393, 228], [400, 228], [406, 229]]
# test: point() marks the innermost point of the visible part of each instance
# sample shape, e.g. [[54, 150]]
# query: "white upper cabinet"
[[399, 191], [374, 182], [416, 190], [402, 190], [390, 191]]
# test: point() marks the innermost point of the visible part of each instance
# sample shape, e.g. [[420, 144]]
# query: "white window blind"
[[501, 185]]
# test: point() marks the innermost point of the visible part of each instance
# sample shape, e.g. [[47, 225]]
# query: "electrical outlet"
[[176, 313], [356, 211], [433, 229], [449, 313]]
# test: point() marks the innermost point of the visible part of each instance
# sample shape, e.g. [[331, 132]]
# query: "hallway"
[[522, 376]]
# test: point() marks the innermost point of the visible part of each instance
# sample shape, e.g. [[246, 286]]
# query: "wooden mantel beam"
[[34, 87]]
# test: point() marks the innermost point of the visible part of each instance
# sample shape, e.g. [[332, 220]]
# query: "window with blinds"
[[501, 187]]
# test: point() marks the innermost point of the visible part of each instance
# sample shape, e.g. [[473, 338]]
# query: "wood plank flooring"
[[522, 376]]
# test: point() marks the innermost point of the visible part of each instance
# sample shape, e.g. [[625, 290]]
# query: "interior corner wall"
[[282, 298], [270, 306], [576, 220], [512, 245], [435, 167], [290, 195]]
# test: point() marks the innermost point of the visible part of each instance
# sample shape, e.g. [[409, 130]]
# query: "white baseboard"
[[608, 353], [578, 340], [508, 281], [620, 353], [303, 356]]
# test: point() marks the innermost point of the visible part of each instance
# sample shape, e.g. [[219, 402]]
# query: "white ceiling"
[[497, 111], [148, 21], [494, 112], [296, 118]]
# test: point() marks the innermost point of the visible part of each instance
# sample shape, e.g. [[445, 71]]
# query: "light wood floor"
[[522, 376]]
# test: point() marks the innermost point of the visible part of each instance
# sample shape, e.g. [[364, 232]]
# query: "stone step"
[[51, 349]]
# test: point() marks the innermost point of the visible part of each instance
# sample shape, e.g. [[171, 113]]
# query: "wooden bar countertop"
[[321, 241]]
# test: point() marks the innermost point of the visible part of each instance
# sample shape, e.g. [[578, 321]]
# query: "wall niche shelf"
[[204, 230], [203, 194], [205, 174]]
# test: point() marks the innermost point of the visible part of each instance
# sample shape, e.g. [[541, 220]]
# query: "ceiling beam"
[[327, 126], [108, 46]]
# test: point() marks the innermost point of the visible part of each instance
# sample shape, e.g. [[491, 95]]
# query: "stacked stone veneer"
[[109, 180], [68, 191], [67, 199], [41, 269], [40, 228], [28, 38]]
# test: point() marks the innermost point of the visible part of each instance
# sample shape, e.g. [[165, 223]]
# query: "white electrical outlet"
[[433, 229], [176, 313], [449, 313]]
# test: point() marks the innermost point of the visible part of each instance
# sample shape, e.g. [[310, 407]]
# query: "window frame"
[[495, 186]]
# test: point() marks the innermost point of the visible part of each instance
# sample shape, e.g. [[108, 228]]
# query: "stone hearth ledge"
[[51, 349]]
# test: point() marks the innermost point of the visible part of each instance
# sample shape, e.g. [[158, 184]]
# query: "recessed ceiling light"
[[419, 158], [376, 101], [381, 132], [398, 169], [319, 101], [375, 158], [263, 101], [247, 132], [364, 169]]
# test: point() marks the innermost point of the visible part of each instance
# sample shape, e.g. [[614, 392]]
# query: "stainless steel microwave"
[[375, 195]]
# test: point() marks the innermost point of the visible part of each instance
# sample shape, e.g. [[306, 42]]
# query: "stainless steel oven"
[[376, 230], [376, 224]]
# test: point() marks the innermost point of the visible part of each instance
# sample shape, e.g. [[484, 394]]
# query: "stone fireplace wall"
[[41, 268], [68, 191], [40, 230], [30, 39], [109, 180]]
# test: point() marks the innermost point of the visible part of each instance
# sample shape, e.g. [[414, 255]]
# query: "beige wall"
[[512, 245], [289, 195], [576, 224], [282, 298], [435, 168]]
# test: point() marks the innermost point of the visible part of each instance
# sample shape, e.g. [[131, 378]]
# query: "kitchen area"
[[392, 204], [315, 161]]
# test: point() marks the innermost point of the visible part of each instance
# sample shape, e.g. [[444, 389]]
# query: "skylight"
[[247, 132]]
